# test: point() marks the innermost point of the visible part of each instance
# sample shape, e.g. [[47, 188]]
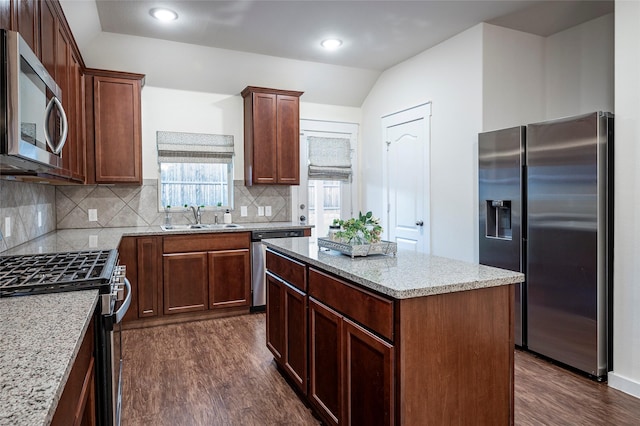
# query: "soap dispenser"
[[227, 216]]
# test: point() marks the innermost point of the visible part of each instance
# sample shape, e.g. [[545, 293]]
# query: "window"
[[327, 178], [200, 184], [195, 169]]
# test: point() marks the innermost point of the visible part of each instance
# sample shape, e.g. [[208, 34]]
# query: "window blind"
[[329, 158], [180, 147]]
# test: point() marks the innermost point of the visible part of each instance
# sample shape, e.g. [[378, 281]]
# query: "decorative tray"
[[383, 247]]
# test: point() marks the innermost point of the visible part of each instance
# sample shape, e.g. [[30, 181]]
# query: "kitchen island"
[[411, 339]]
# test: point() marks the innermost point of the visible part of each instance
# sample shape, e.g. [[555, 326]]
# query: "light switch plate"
[[93, 215], [267, 211], [7, 226], [243, 211], [39, 219], [93, 241], [260, 210]]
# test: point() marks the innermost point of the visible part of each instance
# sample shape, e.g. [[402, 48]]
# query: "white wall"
[[626, 301], [198, 112], [513, 78], [450, 76], [579, 69], [194, 112]]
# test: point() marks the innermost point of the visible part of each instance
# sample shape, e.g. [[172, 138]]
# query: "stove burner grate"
[[55, 272]]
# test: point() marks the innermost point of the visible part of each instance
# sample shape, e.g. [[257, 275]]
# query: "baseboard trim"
[[624, 384]]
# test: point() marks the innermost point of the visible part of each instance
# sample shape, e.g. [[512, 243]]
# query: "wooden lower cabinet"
[[325, 361], [287, 329], [180, 274], [367, 377], [351, 370], [295, 330], [275, 317], [229, 278], [185, 282], [77, 405]]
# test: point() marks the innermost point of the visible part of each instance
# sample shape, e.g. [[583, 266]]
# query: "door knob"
[[419, 223]]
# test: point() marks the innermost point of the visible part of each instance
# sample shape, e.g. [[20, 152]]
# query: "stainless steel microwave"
[[33, 124]]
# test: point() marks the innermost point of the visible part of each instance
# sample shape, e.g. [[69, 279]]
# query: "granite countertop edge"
[[508, 277], [81, 239]]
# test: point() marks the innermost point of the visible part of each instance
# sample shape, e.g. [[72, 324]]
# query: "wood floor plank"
[[219, 372]]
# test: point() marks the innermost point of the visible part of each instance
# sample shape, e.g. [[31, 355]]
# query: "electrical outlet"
[[93, 215], [260, 210], [7, 226], [267, 211], [39, 219], [243, 211], [93, 241]]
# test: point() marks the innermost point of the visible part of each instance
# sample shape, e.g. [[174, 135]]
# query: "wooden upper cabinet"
[[6, 14], [271, 136], [48, 37], [27, 21], [114, 144]]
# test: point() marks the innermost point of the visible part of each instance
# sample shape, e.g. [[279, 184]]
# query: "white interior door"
[[319, 202], [406, 177]]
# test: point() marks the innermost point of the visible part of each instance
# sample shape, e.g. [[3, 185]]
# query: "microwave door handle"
[[55, 102], [125, 305]]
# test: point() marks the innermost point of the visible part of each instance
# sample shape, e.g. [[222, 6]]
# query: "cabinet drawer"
[[368, 309], [288, 269], [206, 242]]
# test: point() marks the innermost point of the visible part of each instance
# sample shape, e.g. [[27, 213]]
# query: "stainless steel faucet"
[[197, 214]]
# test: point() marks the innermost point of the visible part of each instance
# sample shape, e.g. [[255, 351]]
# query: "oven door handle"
[[120, 313]]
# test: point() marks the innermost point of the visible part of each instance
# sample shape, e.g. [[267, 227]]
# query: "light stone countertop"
[[404, 276], [64, 240], [40, 336]]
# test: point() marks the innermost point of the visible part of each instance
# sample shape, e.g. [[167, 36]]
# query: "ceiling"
[[222, 46], [376, 34]]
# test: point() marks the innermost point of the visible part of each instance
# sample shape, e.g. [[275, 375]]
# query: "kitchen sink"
[[200, 226]]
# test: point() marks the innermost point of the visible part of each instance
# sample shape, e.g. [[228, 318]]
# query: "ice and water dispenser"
[[499, 219]]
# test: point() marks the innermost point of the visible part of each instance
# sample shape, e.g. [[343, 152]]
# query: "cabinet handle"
[[419, 223]]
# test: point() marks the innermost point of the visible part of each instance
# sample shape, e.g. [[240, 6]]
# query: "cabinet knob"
[[419, 223]]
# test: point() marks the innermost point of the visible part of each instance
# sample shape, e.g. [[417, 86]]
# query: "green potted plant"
[[365, 229]]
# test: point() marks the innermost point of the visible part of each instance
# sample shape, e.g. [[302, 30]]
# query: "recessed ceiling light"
[[164, 15], [331, 44]]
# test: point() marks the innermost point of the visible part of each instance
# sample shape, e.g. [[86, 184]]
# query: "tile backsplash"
[[28, 208], [118, 206]]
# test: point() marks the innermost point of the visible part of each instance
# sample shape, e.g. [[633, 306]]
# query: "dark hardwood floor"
[[219, 372]]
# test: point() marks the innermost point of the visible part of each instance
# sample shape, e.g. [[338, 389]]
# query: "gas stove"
[[56, 272]]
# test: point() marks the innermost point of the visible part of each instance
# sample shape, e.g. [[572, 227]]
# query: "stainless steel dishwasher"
[[258, 263]]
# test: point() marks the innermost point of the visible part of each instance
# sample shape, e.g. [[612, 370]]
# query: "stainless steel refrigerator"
[[501, 188], [566, 241]]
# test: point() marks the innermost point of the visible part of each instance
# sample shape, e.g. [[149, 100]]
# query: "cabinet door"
[[75, 109], [264, 138], [27, 20], [62, 78], [275, 317], [229, 278], [288, 140], [5, 14], [48, 36], [117, 131], [295, 328], [185, 282], [325, 362], [368, 377], [148, 255]]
